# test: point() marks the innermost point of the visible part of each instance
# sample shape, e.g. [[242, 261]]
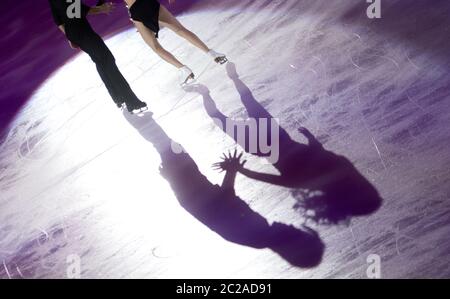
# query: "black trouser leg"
[[91, 43], [115, 95]]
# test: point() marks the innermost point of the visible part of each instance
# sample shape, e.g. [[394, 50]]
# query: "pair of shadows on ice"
[[220, 209], [343, 192]]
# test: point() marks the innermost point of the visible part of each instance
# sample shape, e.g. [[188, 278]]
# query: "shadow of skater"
[[328, 188], [219, 208]]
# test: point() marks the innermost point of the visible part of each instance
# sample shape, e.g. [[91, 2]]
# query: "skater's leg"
[[124, 91], [116, 84], [166, 19], [150, 39], [254, 109], [82, 35], [112, 89]]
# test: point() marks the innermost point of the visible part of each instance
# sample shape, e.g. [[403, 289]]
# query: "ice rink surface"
[[81, 182]]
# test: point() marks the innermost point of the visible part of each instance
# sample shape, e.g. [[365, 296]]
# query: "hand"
[[73, 46], [303, 130], [107, 8], [232, 162], [306, 132]]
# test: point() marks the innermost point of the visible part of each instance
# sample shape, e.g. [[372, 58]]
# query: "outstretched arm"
[[61, 27], [101, 8], [232, 164]]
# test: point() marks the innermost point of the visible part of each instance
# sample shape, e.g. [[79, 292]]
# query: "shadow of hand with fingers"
[[220, 209], [328, 187]]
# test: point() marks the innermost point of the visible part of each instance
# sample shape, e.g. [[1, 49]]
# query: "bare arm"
[[105, 8], [62, 28]]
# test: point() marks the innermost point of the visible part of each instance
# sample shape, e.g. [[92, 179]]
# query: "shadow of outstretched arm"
[[264, 177]]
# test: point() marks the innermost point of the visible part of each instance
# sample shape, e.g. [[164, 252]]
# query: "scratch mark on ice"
[[399, 235], [354, 63], [379, 153], [6, 269], [414, 102], [355, 242], [412, 63], [313, 71], [20, 272]]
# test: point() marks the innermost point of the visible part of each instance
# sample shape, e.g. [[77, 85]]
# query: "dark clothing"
[[146, 12], [80, 32], [60, 9]]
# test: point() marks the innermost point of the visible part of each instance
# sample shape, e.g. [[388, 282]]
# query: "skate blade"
[[140, 110], [221, 60], [189, 80]]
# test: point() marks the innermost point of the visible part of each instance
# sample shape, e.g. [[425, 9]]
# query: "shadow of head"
[[301, 248], [339, 201]]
